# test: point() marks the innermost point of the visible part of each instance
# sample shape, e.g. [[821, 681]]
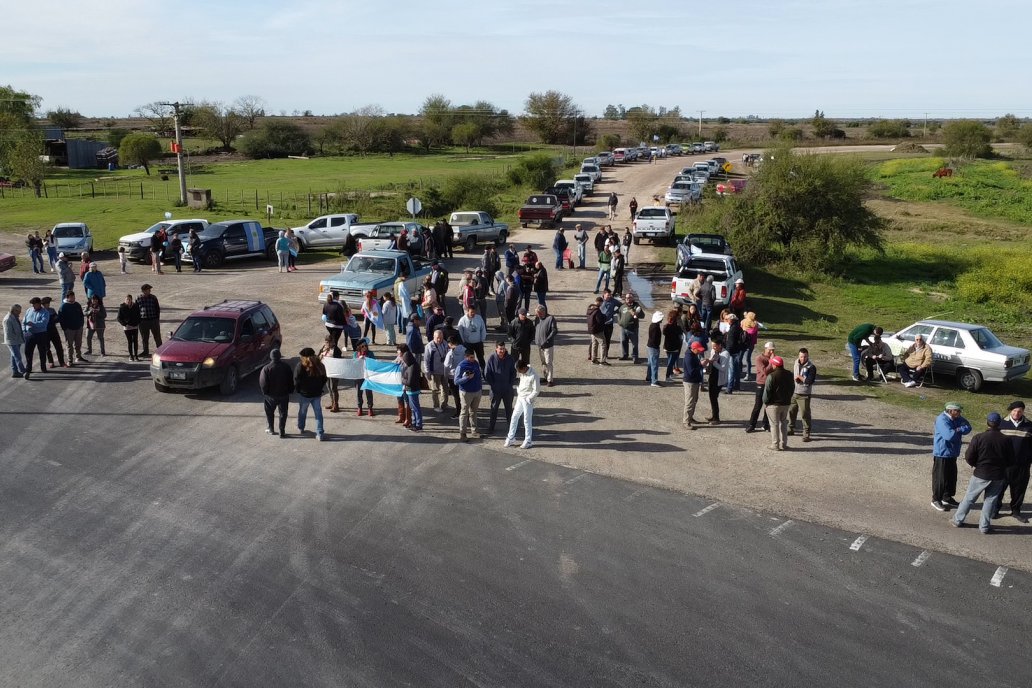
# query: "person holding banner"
[[362, 353], [331, 350]]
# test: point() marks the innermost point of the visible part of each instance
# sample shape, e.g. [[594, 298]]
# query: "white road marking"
[[998, 576], [518, 465], [703, 512], [576, 478], [921, 558], [858, 543], [633, 495], [777, 531], [54, 463]]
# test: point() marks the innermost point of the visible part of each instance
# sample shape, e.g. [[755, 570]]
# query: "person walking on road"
[[804, 373], [581, 237], [633, 206], [500, 376], [14, 338], [950, 428], [528, 388], [1018, 429], [65, 274], [990, 454], [777, 395], [276, 381], [613, 202]]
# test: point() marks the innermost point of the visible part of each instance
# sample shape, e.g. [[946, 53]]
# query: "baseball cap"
[[953, 406], [697, 347], [522, 311], [768, 345], [993, 418], [146, 287], [777, 361]]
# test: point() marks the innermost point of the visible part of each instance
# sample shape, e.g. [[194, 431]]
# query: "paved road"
[[138, 549]]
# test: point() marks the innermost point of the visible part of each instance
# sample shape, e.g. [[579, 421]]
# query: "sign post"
[[414, 206]]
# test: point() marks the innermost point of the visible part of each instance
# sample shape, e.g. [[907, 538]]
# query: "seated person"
[[915, 363], [878, 354]]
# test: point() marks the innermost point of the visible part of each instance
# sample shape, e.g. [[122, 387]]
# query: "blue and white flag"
[[383, 377]]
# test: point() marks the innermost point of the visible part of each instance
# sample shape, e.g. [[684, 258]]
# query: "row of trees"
[[21, 140]]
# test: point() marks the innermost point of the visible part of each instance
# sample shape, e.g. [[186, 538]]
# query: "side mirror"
[[171, 334]]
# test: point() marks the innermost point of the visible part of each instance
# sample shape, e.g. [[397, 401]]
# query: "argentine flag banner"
[[383, 377]]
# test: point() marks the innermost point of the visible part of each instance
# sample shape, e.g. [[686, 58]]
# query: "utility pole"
[[926, 126], [178, 148], [700, 122]]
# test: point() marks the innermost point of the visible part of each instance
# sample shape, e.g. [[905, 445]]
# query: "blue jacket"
[[94, 284], [559, 243], [501, 374], [948, 435], [609, 308], [692, 368], [471, 383], [35, 322], [414, 339]]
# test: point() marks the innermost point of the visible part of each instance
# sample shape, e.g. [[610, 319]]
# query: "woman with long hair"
[[129, 319], [362, 351], [673, 339], [309, 380], [372, 315], [331, 350]]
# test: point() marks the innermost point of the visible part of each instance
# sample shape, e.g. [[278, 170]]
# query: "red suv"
[[216, 346]]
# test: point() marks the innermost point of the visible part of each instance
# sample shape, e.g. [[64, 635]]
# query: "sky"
[[770, 58]]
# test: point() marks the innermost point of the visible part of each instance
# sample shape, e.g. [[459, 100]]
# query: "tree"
[[139, 149], [775, 128], [23, 162], [65, 118], [966, 138], [608, 142], [823, 128], [612, 112], [250, 108], [276, 140], [17, 120], [1025, 136], [465, 134], [159, 115], [889, 129], [800, 210], [1007, 126], [220, 122], [643, 122], [115, 136], [436, 123], [552, 116]]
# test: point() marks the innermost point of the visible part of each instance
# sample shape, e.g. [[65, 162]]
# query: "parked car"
[[594, 170], [571, 186], [72, 237], [653, 222], [620, 155], [605, 158], [683, 193], [724, 269], [216, 346], [544, 209], [698, 148], [587, 183], [731, 186], [470, 228], [710, 146], [697, 244], [7, 262], [326, 231], [385, 235], [137, 246], [233, 240], [971, 353], [376, 271]]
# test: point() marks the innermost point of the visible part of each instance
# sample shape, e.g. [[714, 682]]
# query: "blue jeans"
[[412, 396], [17, 365], [854, 352], [558, 259], [993, 489], [705, 314], [673, 357], [582, 254], [629, 340], [36, 256], [747, 360], [302, 412], [735, 373], [653, 371], [65, 288], [602, 274], [540, 297]]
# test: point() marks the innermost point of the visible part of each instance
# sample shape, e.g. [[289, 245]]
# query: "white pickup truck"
[[470, 227], [654, 222], [724, 270], [384, 237], [326, 231]]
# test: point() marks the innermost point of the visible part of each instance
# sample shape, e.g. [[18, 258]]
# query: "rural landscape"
[[363, 391]]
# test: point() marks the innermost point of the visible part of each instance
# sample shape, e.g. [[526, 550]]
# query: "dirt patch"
[[909, 147]]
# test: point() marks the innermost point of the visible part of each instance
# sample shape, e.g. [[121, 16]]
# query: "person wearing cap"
[[718, 367], [580, 235], [309, 381], [65, 274], [94, 283], [34, 326], [528, 388], [150, 318], [653, 342], [763, 369], [693, 368], [1018, 429], [610, 306], [521, 332], [468, 378], [276, 381], [737, 303], [414, 336], [628, 315], [14, 338], [950, 428], [990, 453], [777, 395], [804, 372]]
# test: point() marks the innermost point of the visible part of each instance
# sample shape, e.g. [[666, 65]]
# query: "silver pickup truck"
[[470, 228]]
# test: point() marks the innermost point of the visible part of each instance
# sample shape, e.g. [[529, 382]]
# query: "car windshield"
[[211, 231], [652, 212], [541, 200], [985, 339], [212, 330], [464, 218], [68, 232], [370, 264]]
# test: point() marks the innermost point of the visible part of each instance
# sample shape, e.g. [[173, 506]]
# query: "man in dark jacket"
[[777, 395], [521, 332], [1019, 429], [500, 375], [990, 453], [277, 382], [72, 320], [628, 316], [734, 342], [440, 280], [559, 244], [597, 329], [541, 283], [692, 381], [763, 369], [414, 338]]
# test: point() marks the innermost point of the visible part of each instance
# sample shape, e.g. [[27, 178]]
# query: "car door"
[[338, 230], [234, 241], [317, 235], [248, 346], [906, 337], [947, 349]]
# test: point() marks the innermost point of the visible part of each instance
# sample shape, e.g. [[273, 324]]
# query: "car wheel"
[[160, 387], [502, 236], [471, 244], [969, 380], [270, 252], [637, 241], [213, 259], [230, 382], [523, 224]]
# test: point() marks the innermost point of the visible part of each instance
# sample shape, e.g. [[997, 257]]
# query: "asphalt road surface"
[[137, 548]]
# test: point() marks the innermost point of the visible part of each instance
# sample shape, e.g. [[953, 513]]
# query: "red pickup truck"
[[545, 209]]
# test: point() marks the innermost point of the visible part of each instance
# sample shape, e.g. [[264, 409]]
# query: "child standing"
[[123, 260]]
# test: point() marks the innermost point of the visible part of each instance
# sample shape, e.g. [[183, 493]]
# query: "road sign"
[[727, 167], [414, 206]]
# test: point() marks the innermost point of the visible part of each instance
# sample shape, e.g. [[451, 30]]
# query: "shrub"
[[889, 129], [967, 138], [608, 142], [139, 149], [276, 140], [463, 192], [998, 279], [536, 171], [1025, 136]]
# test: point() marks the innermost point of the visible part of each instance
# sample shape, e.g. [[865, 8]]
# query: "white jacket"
[[13, 333], [720, 362], [528, 386]]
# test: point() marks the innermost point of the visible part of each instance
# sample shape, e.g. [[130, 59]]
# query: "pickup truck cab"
[[376, 271], [567, 197], [620, 155], [683, 193], [653, 222], [73, 237], [233, 240], [723, 268], [586, 181], [385, 235], [697, 244], [470, 228], [326, 231], [137, 246], [544, 209], [594, 170], [572, 186]]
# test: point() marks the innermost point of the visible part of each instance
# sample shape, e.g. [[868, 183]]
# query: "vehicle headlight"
[[208, 362], [155, 360]]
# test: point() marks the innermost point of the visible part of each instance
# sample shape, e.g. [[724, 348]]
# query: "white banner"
[[345, 368]]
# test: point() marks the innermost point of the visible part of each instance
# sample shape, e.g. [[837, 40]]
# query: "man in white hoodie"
[[526, 392]]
